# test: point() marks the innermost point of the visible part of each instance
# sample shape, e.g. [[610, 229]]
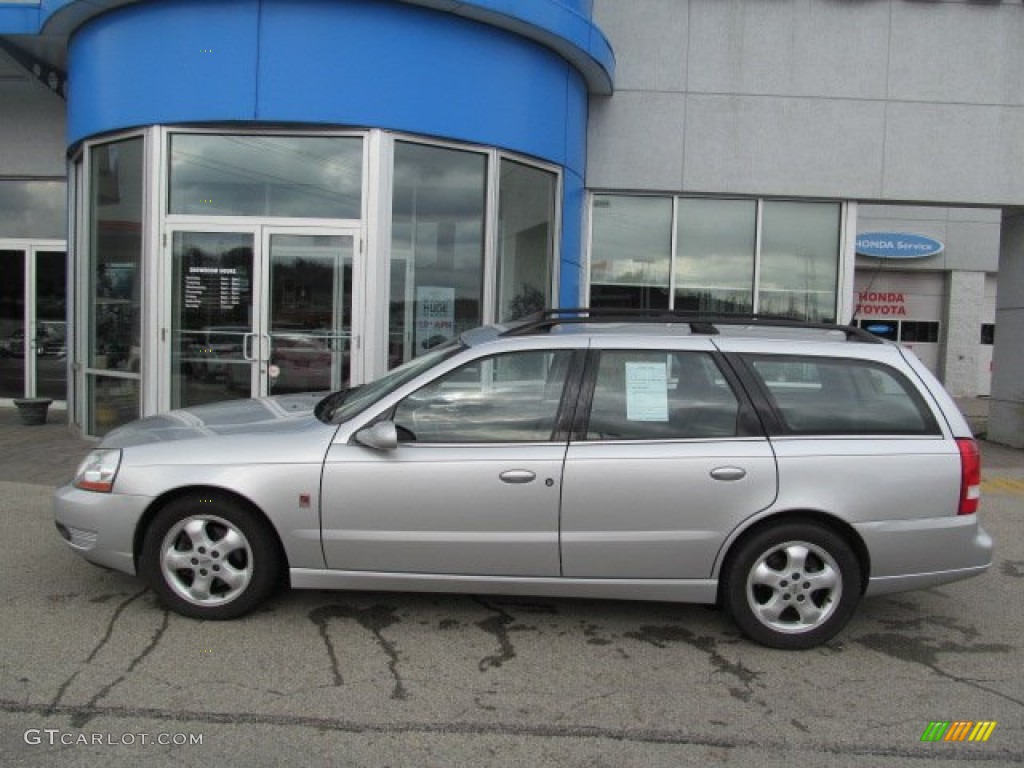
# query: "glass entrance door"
[[13, 349], [309, 325], [262, 311], [49, 368], [33, 322], [214, 321]]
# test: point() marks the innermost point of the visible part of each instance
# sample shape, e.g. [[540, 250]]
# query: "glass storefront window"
[[112, 402], [722, 262], [114, 266], [294, 306], [249, 175], [437, 247], [799, 260], [33, 209], [526, 211], [715, 244], [631, 251]]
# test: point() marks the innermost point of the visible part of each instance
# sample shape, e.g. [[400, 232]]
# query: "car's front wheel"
[[792, 586], [209, 557]]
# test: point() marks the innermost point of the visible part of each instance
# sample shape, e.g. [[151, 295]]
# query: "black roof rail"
[[700, 322]]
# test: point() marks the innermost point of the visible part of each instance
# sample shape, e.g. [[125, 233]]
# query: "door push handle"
[[517, 476], [728, 473], [247, 345]]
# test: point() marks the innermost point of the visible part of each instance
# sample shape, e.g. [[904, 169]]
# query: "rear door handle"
[[517, 476], [728, 473]]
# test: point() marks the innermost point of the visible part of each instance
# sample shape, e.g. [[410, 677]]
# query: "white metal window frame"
[[846, 256]]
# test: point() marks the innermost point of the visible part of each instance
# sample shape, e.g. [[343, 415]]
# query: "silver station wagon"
[[780, 469]]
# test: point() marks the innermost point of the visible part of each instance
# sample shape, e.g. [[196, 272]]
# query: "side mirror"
[[382, 436]]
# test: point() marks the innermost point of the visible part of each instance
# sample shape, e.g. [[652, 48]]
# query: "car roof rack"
[[702, 323]]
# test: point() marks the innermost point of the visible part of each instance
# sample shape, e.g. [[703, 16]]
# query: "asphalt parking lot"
[[94, 672]]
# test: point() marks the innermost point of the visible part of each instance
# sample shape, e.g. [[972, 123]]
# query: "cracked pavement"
[[378, 679]]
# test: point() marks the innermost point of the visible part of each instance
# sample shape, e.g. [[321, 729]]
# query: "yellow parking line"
[[1003, 485]]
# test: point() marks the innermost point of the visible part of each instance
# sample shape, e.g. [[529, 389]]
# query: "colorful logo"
[[958, 730]]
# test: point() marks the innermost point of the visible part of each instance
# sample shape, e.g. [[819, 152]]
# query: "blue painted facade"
[[478, 74]]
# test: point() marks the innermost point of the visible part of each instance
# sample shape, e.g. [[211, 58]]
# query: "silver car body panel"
[[101, 525], [443, 509], [236, 446], [441, 518], [671, 518], [668, 590]]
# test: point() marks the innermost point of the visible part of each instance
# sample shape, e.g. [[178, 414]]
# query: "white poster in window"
[[435, 316], [647, 391]]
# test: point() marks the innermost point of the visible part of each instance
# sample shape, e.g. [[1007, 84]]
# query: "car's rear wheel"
[[209, 557], [792, 586]]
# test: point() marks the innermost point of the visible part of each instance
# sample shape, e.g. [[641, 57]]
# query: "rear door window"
[[830, 396], [659, 395]]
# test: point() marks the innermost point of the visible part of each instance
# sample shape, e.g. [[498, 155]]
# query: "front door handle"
[[728, 473], [517, 476]]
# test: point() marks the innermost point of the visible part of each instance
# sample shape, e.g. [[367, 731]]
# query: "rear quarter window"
[[841, 396]]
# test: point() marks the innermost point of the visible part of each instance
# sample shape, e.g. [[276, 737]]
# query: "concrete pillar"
[[962, 324], [1006, 411]]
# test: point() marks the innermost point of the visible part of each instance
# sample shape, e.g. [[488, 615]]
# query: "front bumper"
[[100, 526], [917, 554]]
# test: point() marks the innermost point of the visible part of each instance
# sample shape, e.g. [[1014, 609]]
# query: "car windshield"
[[341, 406]]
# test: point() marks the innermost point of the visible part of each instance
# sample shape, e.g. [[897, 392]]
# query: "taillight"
[[970, 476]]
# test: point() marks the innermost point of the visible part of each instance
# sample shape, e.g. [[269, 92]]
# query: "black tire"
[[208, 556], [775, 609]]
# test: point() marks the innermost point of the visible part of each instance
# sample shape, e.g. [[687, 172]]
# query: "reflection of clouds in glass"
[[438, 215], [632, 238], [304, 176], [800, 259], [800, 246], [438, 183], [715, 243], [33, 209]]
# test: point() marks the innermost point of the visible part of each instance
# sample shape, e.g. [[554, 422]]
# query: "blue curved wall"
[[359, 63]]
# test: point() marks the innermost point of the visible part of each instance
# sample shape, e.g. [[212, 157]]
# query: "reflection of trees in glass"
[[528, 301]]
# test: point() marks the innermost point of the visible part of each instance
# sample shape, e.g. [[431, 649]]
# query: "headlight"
[[98, 471]]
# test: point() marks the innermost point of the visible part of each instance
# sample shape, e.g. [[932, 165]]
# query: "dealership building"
[[211, 199]]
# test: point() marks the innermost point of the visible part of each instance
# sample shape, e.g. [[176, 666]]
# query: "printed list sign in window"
[[647, 392]]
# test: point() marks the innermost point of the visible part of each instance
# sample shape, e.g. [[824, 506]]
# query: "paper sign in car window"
[[646, 392]]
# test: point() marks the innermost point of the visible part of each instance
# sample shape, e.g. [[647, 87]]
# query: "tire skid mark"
[[122, 606], [374, 619]]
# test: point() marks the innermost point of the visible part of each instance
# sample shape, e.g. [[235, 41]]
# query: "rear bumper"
[[916, 554]]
